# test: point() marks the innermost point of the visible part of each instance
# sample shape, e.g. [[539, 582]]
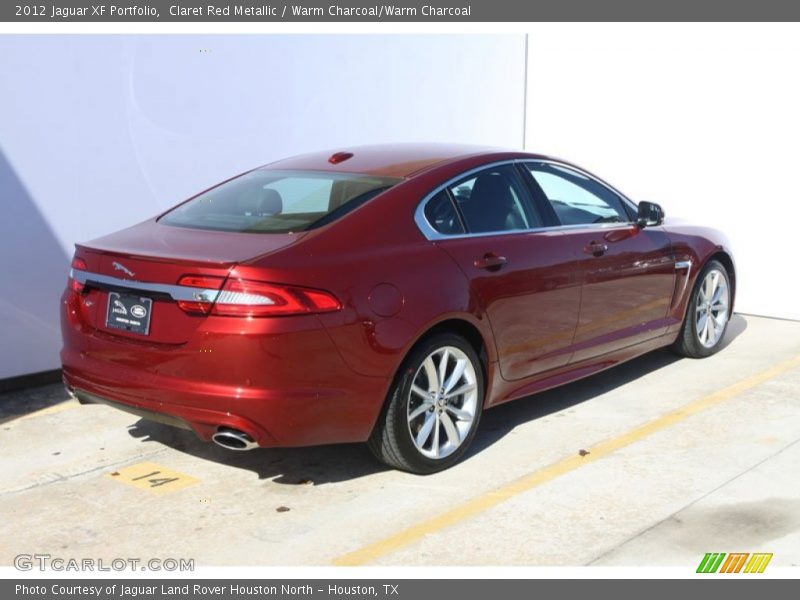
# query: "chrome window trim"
[[176, 292], [432, 235]]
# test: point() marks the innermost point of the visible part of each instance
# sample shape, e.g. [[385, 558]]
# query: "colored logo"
[[735, 562]]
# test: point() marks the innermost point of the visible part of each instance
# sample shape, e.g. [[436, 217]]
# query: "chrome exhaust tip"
[[233, 439]]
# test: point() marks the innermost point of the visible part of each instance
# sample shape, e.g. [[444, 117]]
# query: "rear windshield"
[[277, 201]]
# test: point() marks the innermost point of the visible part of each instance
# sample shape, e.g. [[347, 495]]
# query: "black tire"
[[391, 440], [688, 343]]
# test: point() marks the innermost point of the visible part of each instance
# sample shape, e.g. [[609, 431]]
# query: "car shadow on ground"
[[501, 420], [18, 403], [330, 464], [293, 466]]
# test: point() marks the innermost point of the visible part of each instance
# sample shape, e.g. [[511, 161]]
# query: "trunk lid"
[[181, 244], [146, 259]]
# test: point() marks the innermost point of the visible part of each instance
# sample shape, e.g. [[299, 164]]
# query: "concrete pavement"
[[657, 484]]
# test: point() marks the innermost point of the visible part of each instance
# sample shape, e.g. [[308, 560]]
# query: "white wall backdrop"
[[701, 118], [98, 132]]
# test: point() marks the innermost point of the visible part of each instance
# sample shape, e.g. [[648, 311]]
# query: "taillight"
[[244, 298], [203, 298], [80, 265]]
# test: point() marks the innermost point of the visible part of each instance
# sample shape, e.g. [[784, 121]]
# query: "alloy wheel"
[[711, 308], [442, 403]]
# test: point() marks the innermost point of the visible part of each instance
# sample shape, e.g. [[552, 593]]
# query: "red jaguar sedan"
[[383, 294]]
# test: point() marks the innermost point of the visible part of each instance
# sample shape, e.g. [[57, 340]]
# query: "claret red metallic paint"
[[540, 307]]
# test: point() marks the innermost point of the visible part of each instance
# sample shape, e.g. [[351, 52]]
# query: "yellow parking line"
[[49, 410], [527, 482]]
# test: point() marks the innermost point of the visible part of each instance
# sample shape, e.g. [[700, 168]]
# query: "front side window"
[[577, 199], [495, 200], [266, 201]]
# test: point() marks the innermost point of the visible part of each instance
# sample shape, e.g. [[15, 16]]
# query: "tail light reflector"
[[244, 298], [80, 265]]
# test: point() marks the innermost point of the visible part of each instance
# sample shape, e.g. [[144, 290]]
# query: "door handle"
[[596, 248], [491, 262]]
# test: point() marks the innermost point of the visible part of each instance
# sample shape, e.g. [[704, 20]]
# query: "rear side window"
[[267, 201], [495, 200], [442, 215]]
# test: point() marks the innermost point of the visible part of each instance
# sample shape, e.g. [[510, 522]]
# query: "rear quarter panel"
[[393, 283]]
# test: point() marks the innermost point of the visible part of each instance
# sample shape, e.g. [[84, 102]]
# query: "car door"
[[522, 279], [627, 273]]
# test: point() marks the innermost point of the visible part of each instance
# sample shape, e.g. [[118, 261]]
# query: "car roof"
[[388, 160]]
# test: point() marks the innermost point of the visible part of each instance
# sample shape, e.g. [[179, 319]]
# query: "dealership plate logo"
[[119, 308], [129, 313]]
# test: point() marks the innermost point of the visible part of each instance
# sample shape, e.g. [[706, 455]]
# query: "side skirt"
[[505, 391]]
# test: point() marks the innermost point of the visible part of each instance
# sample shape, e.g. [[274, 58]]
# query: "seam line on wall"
[[525, 95]]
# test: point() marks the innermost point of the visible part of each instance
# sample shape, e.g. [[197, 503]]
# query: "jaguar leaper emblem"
[[120, 267]]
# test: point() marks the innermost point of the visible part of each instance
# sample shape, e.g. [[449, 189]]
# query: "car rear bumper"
[[85, 397], [284, 417], [284, 383]]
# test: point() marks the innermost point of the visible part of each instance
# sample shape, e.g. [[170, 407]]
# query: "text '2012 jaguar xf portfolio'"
[[386, 294]]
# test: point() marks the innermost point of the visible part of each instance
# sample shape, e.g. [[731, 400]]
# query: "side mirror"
[[650, 214]]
